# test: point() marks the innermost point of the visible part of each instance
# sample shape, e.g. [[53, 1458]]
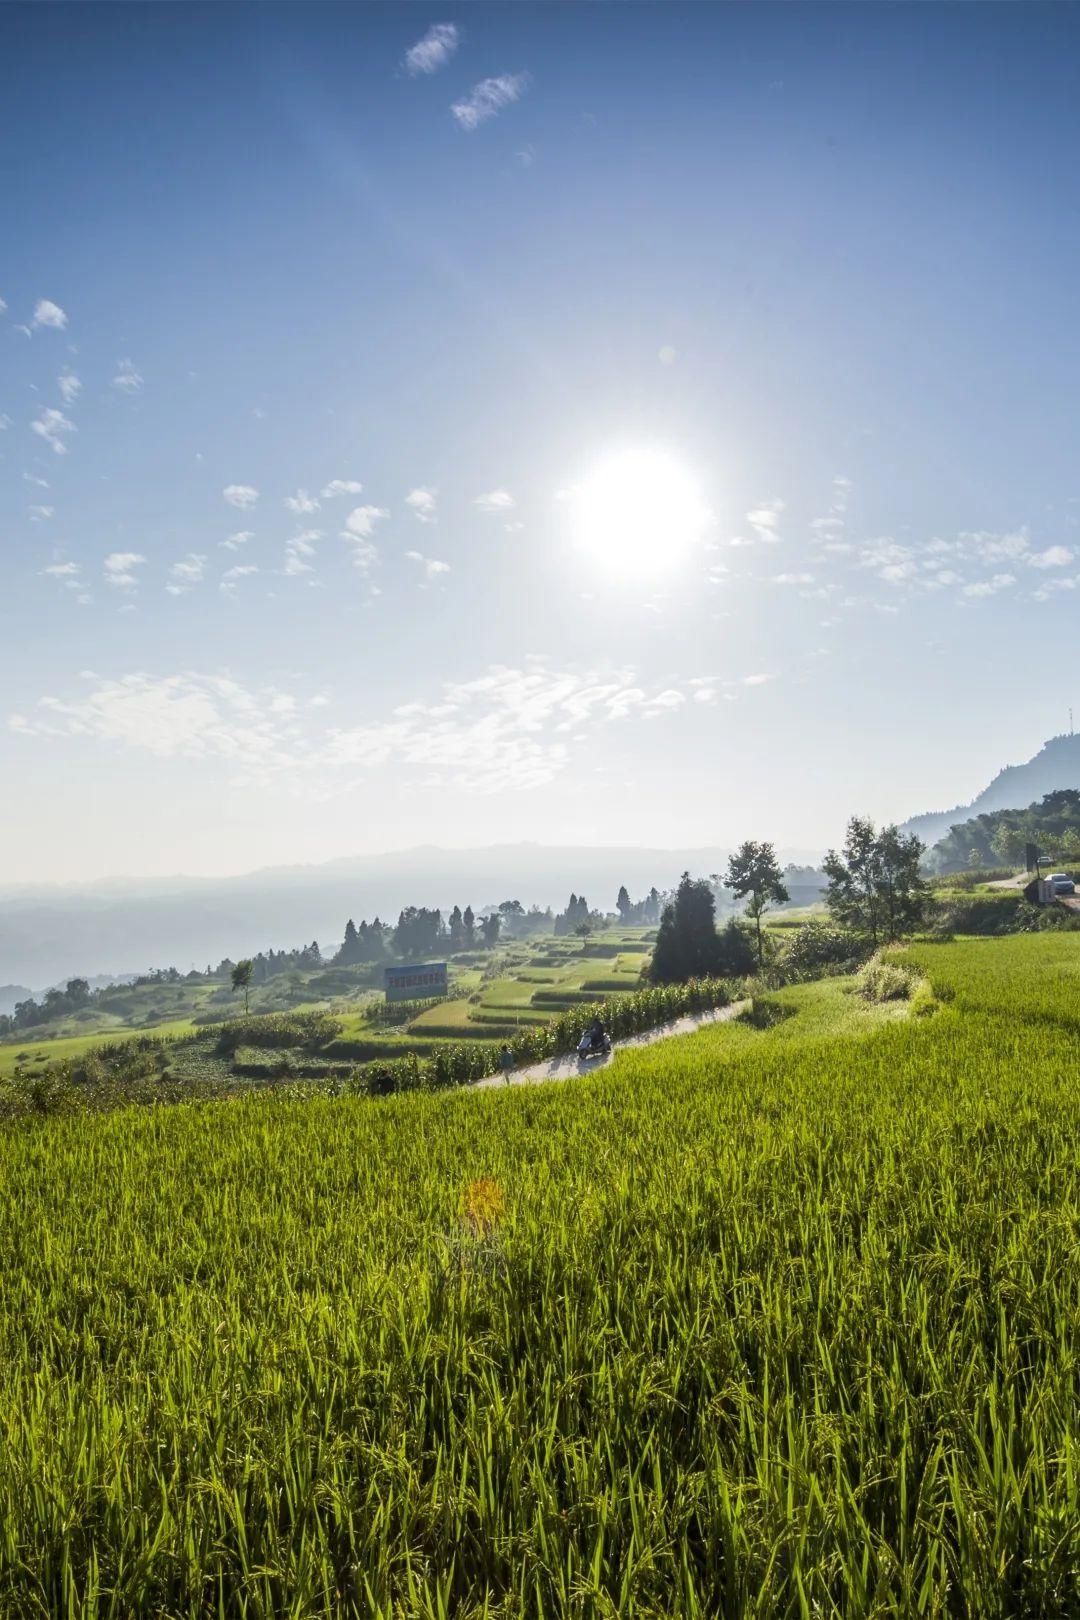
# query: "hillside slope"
[[1056, 765]]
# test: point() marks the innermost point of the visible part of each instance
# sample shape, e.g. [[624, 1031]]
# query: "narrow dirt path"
[[565, 1067]]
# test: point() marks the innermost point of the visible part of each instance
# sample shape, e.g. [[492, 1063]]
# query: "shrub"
[[884, 980], [818, 946]]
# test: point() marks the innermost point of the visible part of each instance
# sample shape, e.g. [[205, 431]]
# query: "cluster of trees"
[[876, 887], [1001, 837], [639, 913], [422, 931], [875, 892], [53, 1005]]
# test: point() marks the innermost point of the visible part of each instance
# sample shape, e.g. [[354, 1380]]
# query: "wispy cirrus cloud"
[[243, 496], [127, 380], [764, 519], [488, 98], [434, 50], [342, 486], [70, 387], [233, 542], [54, 427], [40, 514]]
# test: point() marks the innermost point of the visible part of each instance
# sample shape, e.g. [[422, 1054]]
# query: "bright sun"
[[638, 513]]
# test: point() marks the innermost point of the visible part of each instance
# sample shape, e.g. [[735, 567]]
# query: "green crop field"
[[763, 1321]]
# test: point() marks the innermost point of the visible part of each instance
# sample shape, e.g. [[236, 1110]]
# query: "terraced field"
[[774, 1321]]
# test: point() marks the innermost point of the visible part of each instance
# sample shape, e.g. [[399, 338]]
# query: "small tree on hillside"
[[242, 975], [687, 946], [875, 886], [754, 875]]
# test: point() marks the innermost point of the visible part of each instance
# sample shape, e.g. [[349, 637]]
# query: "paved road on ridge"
[[564, 1068]]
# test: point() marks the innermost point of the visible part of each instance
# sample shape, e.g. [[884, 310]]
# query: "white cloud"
[[757, 680], [301, 502], [1052, 557], [422, 503], [764, 519], [1060, 582], [793, 579], [358, 530], [67, 573], [127, 379], [3, 306], [889, 561], [235, 541], [361, 521], [298, 550], [509, 728], [488, 98], [667, 355], [53, 426], [39, 514], [431, 565], [70, 387], [183, 716], [119, 568], [342, 486], [990, 547], [228, 579], [46, 313], [187, 572], [436, 48], [495, 500], [990, 587], [241, 495]]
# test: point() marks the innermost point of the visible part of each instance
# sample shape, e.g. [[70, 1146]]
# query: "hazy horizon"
[[593, 425]]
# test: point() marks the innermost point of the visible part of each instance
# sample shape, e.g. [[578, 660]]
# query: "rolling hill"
[[1056, 765]]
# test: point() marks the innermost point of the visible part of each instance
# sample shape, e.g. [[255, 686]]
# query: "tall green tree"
[[754, 875], [242, 975], [875, 885], [622, 904], [687, 944]]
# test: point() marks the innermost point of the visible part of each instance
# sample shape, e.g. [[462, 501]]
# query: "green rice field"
[[778, 1321]]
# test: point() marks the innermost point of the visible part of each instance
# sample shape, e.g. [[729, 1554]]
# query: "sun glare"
[[638, 513]]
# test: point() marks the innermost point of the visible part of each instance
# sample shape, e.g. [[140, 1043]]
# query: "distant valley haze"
[[124, 925]]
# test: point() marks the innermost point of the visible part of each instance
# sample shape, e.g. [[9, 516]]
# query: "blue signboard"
[[419, 982]]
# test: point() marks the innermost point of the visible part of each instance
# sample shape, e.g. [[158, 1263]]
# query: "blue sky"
[[314, 355]]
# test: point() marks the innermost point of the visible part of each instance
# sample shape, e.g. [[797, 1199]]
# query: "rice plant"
[[742, 1325]]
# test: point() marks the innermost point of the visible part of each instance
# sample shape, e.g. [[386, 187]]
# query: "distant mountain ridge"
[[48, 934], [1056, 765]]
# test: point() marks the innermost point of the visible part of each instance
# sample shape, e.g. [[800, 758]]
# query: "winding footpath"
[[569, 1065]]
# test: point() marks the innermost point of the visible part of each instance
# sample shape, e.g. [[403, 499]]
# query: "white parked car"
[[1062, 883]]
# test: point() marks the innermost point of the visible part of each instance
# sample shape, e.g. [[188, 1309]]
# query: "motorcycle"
[[591, 1045]]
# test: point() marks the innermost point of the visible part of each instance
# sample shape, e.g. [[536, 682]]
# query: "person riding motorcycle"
[[596, 1033]]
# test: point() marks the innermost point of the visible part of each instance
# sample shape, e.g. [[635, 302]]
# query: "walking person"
[[506, 1061]]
